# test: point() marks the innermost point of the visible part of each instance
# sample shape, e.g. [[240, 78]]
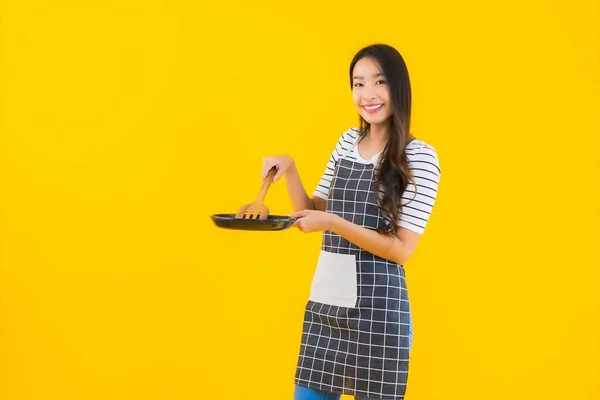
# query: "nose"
[[369, 93], [369, 96]]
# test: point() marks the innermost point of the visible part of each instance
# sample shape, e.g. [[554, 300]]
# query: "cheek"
[[384, 94]]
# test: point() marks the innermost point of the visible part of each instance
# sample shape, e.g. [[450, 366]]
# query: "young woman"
[[372, 204]]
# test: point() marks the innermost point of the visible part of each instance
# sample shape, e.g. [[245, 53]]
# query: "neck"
[[379, 134]]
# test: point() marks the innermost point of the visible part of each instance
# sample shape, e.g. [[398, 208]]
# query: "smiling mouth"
[[373, 107]]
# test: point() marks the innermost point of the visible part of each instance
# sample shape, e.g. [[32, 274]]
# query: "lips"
[[372, 108]]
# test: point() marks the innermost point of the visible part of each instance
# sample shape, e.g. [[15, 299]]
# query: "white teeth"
[[372, 107]]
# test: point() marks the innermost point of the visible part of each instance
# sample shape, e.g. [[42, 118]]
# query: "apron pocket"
[[334, 281]]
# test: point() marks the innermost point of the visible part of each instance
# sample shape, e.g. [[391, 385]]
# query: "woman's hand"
[[312, 220], [282, 162]]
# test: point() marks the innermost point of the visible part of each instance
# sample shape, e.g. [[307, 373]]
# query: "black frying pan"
[[271, 223]]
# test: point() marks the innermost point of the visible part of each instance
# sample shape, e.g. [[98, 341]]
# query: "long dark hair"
[[393, 172]]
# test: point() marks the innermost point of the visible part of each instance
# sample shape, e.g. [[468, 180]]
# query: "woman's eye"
[[357, 84], [382, 82]]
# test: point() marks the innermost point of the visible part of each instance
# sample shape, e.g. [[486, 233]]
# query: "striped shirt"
[[424, 166]]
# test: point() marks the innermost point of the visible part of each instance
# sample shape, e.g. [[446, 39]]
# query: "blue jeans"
[[304, 393]]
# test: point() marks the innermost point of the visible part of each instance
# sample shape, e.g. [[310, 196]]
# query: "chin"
[[374, 120]]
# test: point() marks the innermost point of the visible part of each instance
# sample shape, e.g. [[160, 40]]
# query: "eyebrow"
[[374, 76]]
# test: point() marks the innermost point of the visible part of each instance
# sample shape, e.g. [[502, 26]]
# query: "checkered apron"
[[360, 348]]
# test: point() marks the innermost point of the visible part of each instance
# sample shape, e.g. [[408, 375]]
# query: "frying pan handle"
[[266, 184]]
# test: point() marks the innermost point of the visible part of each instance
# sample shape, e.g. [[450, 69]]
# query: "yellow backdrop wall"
[[125, 124]]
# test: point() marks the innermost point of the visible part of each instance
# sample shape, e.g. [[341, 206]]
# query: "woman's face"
[[371, 92]]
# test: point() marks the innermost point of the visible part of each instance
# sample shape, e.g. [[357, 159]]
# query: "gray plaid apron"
[[355, 334]]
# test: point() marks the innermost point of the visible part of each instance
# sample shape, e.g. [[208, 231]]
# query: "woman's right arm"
[[287, 167], [298, 196]]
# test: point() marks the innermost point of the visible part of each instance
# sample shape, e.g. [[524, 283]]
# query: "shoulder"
[[349, 137], [422, 155], [346, 142], [418, 147]]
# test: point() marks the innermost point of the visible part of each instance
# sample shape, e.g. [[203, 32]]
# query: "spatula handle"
[[266, 183]]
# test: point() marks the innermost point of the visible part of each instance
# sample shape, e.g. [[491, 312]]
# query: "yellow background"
[[126, 124]]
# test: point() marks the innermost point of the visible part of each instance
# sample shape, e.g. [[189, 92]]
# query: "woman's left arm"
[[396, 248]]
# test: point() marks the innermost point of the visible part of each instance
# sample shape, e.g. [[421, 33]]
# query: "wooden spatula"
[[258, 210]]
